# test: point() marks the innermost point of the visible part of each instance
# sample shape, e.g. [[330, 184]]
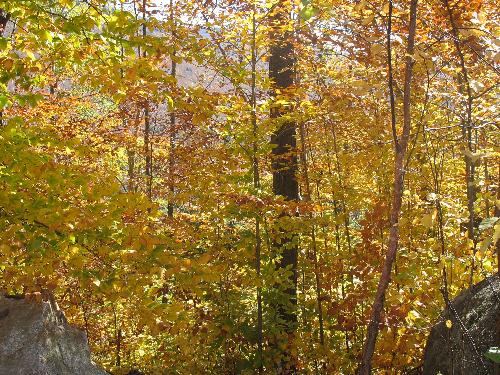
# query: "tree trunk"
[[284, 167], [466, 125], [131, 170], [401, 147], [307, 197], [256, 185], [172, 132], [497, 214], [147, 130], [4, 18]]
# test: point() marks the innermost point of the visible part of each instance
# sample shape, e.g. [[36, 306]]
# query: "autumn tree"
[[284, 167], [154, 154]]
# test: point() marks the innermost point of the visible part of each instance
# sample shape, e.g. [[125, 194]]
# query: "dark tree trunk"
[[284, 166], [4, 18]]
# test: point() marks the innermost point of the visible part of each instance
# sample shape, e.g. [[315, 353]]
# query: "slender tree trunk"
[[497, 214], [118, 339], [131, 155], [147, 151], [346, 270], [401, 148], [284, 167], [391, 76], [307, 196], [256, 184], [341, 182], [147, 130], [126, 124], [131, 170], [172, 131], [4, 18], [85, 321], [465, 89]]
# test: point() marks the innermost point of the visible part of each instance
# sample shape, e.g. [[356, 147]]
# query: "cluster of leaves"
[[127, 175]]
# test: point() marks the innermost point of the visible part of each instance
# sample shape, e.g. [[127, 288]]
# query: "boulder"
[[475, 327], [36, 339]]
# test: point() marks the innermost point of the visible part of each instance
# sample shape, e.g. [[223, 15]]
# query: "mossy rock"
[[475, 327]]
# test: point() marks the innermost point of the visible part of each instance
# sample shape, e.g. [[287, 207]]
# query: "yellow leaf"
[[360, 6], [496, 235], [385, 9], [368, 20], [488, 265], [204, 259], [449, 324], [412, 316], [376, 49], [428, 219], [30, 55], [211, 277]]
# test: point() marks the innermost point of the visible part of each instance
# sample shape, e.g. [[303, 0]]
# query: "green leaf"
[[33, 99], [30, 55], [3, 43], [308, 12], [493, 354], [3, 101], [46, 35]]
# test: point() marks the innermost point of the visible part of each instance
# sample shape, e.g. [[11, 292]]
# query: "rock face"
[[475, 318], [35, 339]]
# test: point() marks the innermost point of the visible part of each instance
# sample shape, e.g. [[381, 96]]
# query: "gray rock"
[[35, 339], [475, 317]]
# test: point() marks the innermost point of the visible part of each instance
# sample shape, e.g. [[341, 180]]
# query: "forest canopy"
[[249, 186]]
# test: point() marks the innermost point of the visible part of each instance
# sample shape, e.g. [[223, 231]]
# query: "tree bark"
[[147, 127], [497, 214], [172, 132], [130, 170], [307, 197], [401, 148], [256, 185], [284, 167], [4, 18], [465, 89]]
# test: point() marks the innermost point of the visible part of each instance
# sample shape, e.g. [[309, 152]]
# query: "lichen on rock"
[[36, 339], [459, 348]]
